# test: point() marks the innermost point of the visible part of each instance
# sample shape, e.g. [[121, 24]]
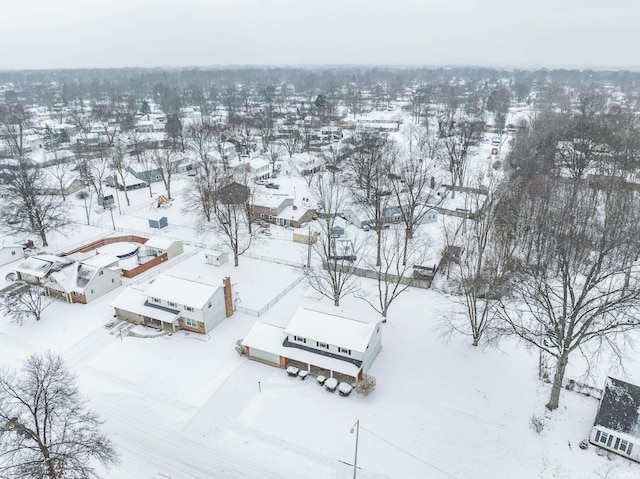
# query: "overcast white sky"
[[117, 33]]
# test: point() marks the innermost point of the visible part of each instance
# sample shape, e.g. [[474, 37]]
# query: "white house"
[[259, 168], [171, 303], [617, 424], [10, 252], [322, 340], [84, 281]]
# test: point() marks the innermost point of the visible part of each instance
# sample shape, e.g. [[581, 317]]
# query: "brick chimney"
[[228, 297]]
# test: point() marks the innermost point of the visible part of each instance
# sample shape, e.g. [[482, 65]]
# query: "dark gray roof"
[[620, 407]]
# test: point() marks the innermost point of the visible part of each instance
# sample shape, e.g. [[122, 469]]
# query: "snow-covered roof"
[[133, 300], [258, 163], [160, 242], [101, 260], [332, 326], [40, 265], [269, 201], [181, 291], [269, 338], [292, 213]]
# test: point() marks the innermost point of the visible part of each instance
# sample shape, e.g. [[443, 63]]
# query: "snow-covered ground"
[[187, 406]]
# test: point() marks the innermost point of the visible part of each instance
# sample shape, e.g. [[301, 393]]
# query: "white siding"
[[9, 254], [613, 439]]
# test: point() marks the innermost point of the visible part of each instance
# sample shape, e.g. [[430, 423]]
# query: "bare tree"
[[291, 141], [482, 272], [458, 136], [231, 215], [414, 190], [25, 208], [333, 277], [46, 431], [93, 164], [22, 301], [60, 171], [578, 285], [392, 277], [370, 188], [119, 163], [15, 120], [165, 161]]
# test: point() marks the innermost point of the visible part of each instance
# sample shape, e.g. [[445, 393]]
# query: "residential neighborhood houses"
[[381, 230]]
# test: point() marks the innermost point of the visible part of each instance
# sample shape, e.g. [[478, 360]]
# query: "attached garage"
[[264, 356]]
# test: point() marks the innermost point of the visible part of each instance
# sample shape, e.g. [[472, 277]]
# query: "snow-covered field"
[[187, 406]]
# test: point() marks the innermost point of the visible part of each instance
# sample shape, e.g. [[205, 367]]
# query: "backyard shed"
[[158, 222], [216, 258]]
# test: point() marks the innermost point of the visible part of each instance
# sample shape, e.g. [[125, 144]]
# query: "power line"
[[409, 454]]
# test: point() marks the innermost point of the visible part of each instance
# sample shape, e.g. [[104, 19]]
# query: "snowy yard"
[[187, 405]]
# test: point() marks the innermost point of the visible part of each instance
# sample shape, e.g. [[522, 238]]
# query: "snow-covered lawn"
[[187, 406]]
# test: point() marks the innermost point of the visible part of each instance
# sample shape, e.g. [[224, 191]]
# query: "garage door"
[[265, 357]]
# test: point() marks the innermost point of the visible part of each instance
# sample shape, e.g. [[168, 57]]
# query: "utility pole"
[[309, 248], [356, 426]]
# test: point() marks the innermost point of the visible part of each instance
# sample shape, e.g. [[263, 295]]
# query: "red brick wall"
[[130, 273]]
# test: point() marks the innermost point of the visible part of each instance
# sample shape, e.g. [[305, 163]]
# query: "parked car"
[[262, 182], [273, 186]]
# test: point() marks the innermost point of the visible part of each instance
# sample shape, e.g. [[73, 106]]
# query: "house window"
[[209, 304], [345, 351], [322, 345], [53, 280], [156, 300], [93, 291], [623, 446], [13, 253], [603, 437], [100, 273], [173, 305], [192, 323], [113, 280], [188, 308], [299, 339]]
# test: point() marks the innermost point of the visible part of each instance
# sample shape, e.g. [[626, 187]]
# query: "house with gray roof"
[[617, 424]]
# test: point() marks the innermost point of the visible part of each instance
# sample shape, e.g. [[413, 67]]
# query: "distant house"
[[172, 303], [259, 168], [84, 281], [617, 424], [281, 210], [10, 253], [322, 340], [148, 175], [132, 182], [357, 216]]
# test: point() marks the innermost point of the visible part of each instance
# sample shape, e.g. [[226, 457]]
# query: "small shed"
[[216, 258], [337, 231], [106, 201], [158, 222]]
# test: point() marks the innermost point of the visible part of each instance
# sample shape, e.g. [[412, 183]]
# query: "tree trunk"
[[558, 377], [235, 259], [43, 237]]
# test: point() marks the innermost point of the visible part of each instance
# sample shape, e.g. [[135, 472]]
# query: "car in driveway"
[[273, 186]]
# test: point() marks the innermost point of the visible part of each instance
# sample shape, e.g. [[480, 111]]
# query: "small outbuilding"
[[216, 258], [158, 222], [617, 424]]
